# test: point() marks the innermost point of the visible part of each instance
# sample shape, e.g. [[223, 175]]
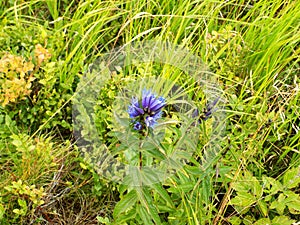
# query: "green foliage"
[[251, 47], [30, 160], [269, 197], [22, 192], [39, 95], [226, 51]]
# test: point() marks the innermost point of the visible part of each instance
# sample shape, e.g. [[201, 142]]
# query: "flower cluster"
[[146, 112]]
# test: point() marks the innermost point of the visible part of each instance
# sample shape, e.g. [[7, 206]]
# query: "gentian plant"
[[144, 114]]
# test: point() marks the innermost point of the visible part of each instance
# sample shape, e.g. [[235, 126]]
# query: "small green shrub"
[[26, 163], [271, 199], [25, 196], [31, 91]]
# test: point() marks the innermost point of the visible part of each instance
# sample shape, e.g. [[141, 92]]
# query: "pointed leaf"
[[263, 221], [263, 207], [291, 178], [124, 204], [282, 220], [243, 199], [147, 201], [294, 206], [145, 216], [163, 193]]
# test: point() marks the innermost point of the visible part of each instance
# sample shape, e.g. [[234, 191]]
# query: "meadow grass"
[[251, 47]]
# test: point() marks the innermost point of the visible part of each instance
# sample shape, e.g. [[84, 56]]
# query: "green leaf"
[[241, 185], [235, 220], [282, 220], [23, 204], [153, 152], [1, 119], [124, 204], [2, 211], [279, 204], [149, 175], [291, 196], [291, 178], [257, 188], [104, 220], [182, 188], [243, 199], [294, 206], [8, 121], [263, 221], [164, 208], [16, 140], [206, 189], [18, 211], [273, 185], [263, 207], [144, 215], [23, 209], [147, 201], [83, 166], [123, 218], [163, 193], [248, 220]]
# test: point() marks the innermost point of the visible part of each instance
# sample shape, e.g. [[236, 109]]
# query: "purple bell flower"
[[151, 103], [134, 109], [147, 111]]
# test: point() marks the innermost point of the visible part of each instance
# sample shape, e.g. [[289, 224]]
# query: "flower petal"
[[157, 105], [134, 110], [150, 121], [137, 126]]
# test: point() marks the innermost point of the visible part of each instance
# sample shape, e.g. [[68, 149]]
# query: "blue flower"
[[137, 126], [210, 108], [151, 103], [147, 111], [152, 120], [134, 109]]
